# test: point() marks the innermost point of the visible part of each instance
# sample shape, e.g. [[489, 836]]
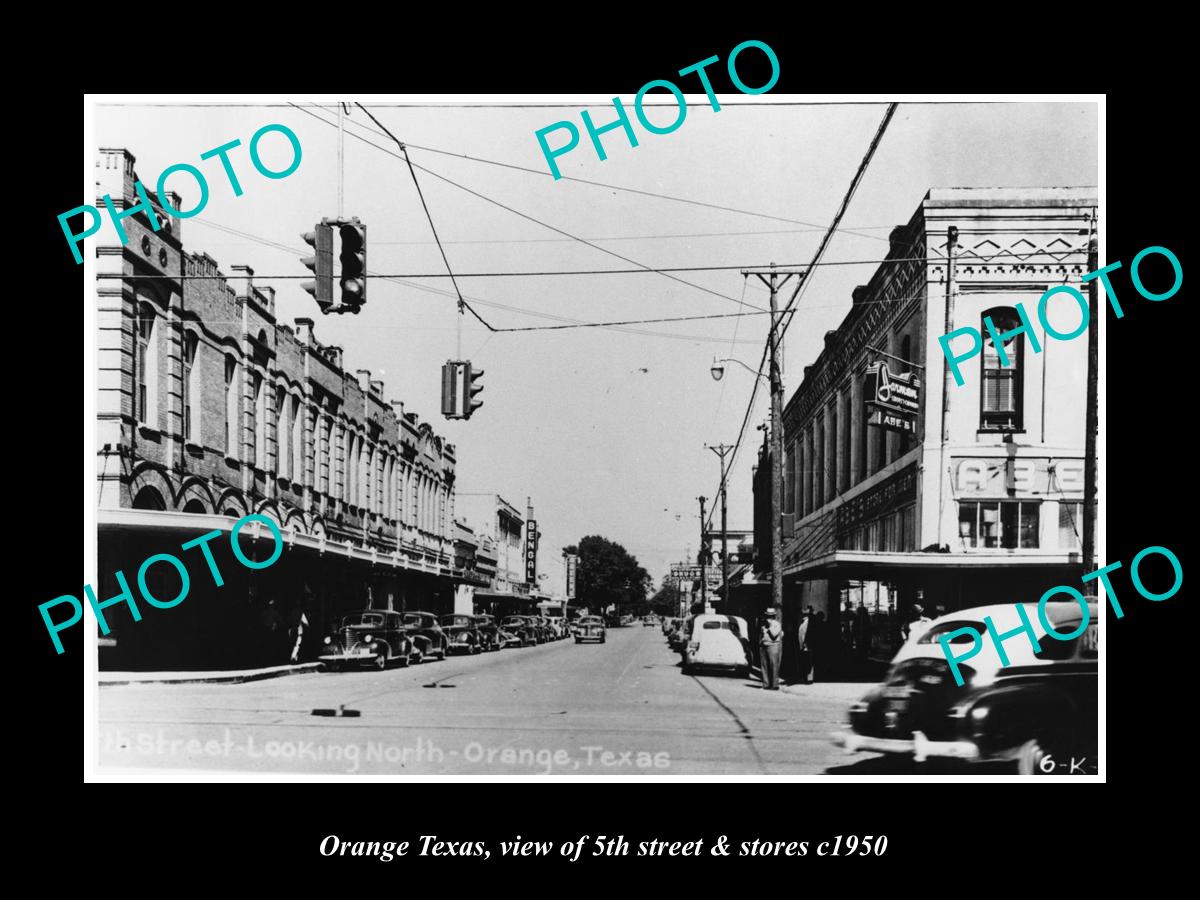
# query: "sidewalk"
[[827, 690], [237, 677]]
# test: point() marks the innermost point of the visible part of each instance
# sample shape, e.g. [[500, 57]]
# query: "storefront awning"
[[878, 564]]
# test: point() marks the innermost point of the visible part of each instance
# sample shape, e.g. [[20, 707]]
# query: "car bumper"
[[351, 656], [461, 648], [589, 637], [918, 747]]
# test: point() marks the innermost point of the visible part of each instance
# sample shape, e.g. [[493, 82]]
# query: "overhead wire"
[[535, 220]]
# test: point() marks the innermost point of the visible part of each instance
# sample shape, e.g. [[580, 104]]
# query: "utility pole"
[[1093, 410], [703, 571], [774, 284], [722, 450], [948, 321]]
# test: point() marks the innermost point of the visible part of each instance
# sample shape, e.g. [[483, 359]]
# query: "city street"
[[618, 708]]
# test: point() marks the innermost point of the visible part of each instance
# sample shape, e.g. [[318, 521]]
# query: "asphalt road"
[[619, 708]]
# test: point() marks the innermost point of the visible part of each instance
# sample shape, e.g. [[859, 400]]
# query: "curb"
[[113, 679]]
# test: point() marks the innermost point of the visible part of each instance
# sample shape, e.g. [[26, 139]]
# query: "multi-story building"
[[502, 524], [211, 409], [975, 496]]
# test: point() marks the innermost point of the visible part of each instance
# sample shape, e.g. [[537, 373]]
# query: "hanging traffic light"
[[354, 264], [473, 386], [321, 240], [460, 384], [451, 389]]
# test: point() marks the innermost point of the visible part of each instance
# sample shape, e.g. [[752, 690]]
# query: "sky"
[[603, 428]]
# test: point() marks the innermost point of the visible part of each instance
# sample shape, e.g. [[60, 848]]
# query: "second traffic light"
[[460, 384], [347, 240]]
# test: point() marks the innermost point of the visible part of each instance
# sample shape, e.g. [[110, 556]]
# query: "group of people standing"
[[813, 639]]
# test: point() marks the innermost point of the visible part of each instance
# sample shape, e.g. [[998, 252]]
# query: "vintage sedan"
[[428, 637], [591, 628], [523, 628], [489, 632], [462, 633], [1038, 713], [508, 639], [368, 637], [718, 642]]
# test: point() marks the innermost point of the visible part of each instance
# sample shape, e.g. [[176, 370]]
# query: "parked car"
[[489, 632], [462, 634], [667, 625], [718, 642], [508, 639], [368, 637], [427, 634], [649, 620], [1037, 713], [591, 628], [523, 628]]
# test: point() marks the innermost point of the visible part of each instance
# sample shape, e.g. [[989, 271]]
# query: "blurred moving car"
[[508, 639], [489, 632], [718, 642], [591, 628], [368, 637], [1038, 713], [426, 633], [462, 634], [522, 627]]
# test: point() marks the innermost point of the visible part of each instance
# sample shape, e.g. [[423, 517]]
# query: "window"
[[1070, 525], [282, 457], [864, 433], [990, 524], [847, 435], [297, 469], [831, 417], [231, 407], [818, 465], [191, 387], [1000, 394], [907, 441], [256, 420], [145, 367]]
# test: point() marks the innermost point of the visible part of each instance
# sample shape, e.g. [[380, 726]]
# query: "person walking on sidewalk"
[[771, 645]]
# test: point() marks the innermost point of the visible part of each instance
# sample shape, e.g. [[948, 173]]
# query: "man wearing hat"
[[918, 619], [771, 646]]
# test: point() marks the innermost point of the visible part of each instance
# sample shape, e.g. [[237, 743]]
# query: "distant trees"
[[608, 574]]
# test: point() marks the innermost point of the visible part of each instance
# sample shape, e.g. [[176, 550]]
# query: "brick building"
[[210, 409], [978, 499]]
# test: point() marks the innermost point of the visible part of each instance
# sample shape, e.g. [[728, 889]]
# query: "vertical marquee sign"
[[531, 537], [572, 567]]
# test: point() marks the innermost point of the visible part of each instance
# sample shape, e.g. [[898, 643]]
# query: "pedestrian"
[[818, 636], [804, 642], [771, 645], [862, 632], [298, 623], [916, 621]]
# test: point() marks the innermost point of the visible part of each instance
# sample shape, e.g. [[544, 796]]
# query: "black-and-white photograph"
[[676, 435]]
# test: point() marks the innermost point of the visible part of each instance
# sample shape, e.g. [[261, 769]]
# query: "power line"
[[553, 228], [774, 339], [476, 300], [597, 184], [462, 304]]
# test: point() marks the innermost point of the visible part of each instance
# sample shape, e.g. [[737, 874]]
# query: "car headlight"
[[328, 639], [979, 713], [367, 638]]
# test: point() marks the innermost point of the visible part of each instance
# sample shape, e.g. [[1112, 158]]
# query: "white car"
[[718, 642]]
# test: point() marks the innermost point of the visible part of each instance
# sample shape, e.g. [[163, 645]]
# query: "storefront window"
[[1070, 525], [990, 524]]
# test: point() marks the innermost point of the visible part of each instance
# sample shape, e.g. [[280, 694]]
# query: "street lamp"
[[718, 369]]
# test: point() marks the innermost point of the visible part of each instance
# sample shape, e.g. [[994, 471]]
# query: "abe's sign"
[[893, 400]]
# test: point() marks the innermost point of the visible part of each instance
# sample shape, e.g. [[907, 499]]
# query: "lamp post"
[[723, 450]]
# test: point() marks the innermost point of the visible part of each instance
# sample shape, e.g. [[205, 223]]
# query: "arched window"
[[149, 498], [231, 407], [297, 470], [146, 367], [282, 456], [257, 421], [1001, 395], [191, 387], [194, 506]]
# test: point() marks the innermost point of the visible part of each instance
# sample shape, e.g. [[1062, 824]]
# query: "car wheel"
[[381, 660], [442, 652]]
